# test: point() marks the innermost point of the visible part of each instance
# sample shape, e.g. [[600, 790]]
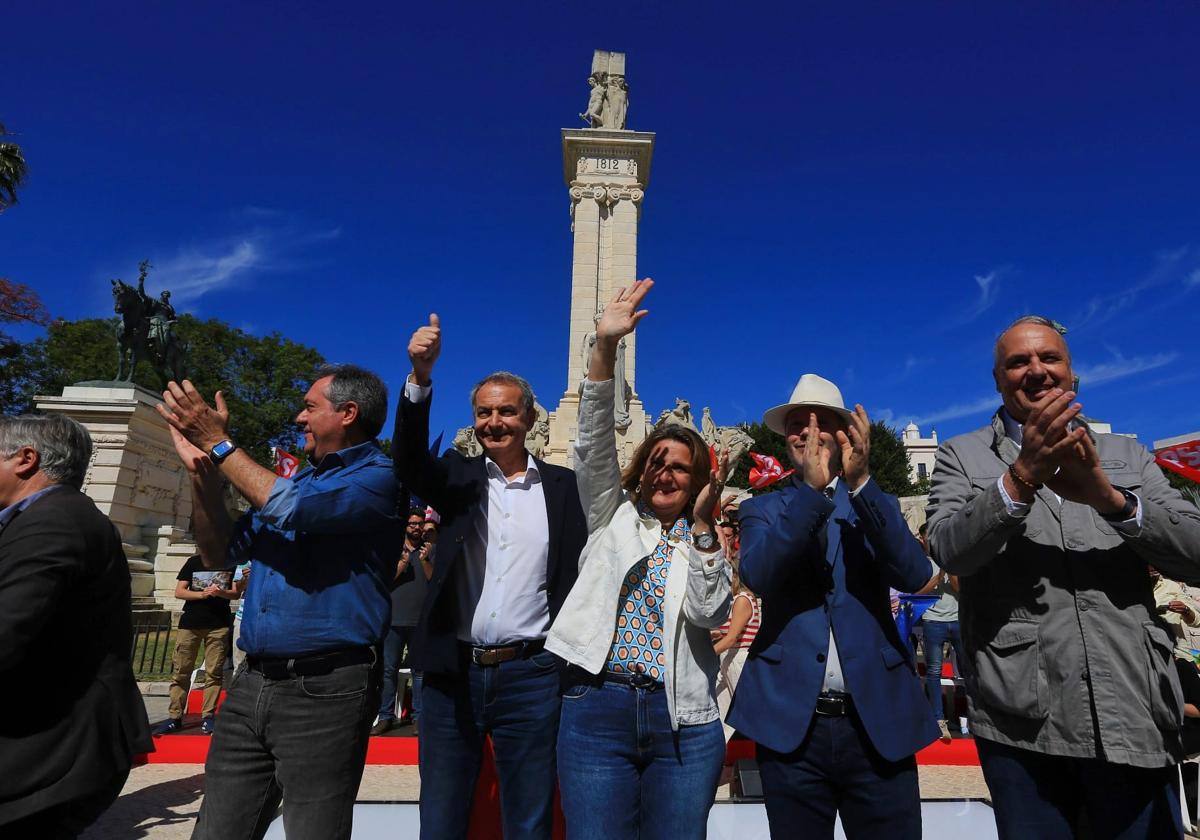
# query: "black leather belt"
[[495, 654], [281, 668], [578, 676], [833, 703], [632, 680]]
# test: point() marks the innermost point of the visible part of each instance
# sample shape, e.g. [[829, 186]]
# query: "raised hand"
[[618, 319], [817, 456], [856, 447], [622, 315], [710, 495], [424, 348], [186, 411]]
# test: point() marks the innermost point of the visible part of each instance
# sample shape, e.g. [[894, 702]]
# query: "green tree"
[[13, 170], [889, 459], [263, 378]]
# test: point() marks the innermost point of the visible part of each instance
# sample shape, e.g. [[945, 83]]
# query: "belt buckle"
[[486, 656], [831, 706], [640, 679]]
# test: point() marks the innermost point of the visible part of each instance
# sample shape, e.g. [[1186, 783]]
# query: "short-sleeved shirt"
[[211, 613], [946, 608], [409, 592]]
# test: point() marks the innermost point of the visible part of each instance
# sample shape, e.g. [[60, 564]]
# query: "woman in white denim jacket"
[[640, 743]]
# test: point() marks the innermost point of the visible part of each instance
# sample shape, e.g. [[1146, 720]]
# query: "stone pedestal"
[[134, 477], [606, 174]]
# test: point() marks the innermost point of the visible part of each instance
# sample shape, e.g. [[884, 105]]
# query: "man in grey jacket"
[[1074, 698]]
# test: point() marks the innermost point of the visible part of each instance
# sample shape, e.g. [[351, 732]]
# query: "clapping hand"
[[816, 456], [856, 449], [424, 348], [187, 413], [1080, 478], [710, 495]]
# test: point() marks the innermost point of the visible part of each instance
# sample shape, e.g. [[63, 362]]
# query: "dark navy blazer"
[[867, 548]]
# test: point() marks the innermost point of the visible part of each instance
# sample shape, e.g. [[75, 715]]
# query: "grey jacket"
[[1056, 605]]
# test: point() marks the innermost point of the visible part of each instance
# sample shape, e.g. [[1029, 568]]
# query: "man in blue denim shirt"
[[296, 719]]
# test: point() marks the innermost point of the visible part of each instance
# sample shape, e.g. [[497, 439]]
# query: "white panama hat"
[[810, 390]]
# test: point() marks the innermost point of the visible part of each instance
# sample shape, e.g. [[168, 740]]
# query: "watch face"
[[222, 449], [705, 541]]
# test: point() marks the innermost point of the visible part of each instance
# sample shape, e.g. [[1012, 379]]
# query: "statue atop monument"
[[146, 331], [608, 102]]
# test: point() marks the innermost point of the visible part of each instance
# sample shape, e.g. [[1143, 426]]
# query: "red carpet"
[[193, 749]]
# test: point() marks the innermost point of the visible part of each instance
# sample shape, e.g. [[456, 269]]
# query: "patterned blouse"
[[638, 641]]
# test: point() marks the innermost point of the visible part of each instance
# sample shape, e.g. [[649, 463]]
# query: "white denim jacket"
[[697, 590]]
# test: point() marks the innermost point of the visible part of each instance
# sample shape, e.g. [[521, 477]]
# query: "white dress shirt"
[[501, 582]]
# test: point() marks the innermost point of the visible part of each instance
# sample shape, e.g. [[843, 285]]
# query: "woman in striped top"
[[732, 639]]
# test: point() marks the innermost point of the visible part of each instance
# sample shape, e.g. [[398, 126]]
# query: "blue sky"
[[866, 191]]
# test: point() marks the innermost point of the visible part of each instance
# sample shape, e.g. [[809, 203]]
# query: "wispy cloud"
[[195, 270], [987, 291], [1180, 264], [1120, 367], [982, 405]]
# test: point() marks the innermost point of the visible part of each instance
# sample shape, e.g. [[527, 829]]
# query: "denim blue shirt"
[[324, 548]]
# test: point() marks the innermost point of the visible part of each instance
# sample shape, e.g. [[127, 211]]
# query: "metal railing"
[[153, 644]]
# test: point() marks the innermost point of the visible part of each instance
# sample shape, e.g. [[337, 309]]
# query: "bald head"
[[1031, 359]]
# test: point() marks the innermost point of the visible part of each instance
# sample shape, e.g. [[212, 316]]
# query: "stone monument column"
[[606, 171]]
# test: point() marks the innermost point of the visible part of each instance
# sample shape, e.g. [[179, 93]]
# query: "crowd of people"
[[609, 629]]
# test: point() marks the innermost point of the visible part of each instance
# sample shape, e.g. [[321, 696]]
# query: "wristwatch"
[[222, 451], [1126, 513], [706, 541]]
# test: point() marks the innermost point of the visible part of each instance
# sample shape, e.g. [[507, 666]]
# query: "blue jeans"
[[397, 639], [515, 702], [937, 633], [836, 770], [1038, 796], [303, 739], [624, 773]]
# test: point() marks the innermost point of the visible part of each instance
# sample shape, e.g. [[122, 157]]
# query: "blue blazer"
[[867, 548]]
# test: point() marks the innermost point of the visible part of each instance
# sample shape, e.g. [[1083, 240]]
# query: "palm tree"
[[12, 171]]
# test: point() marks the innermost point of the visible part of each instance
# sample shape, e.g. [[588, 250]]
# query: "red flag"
[[766, 471], [1182, 458], [286, 464]]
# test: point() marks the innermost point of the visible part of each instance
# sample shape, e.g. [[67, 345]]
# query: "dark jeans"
[[515, 702], [835, 770], [626, 774], [398, 638], [303, 739], [937, 633], [1050, 796]]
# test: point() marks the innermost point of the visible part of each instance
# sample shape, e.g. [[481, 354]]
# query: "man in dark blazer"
[[508, 553], [829, 691], [71, 716]]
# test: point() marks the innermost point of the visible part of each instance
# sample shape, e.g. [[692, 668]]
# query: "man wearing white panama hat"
[[829, 691]]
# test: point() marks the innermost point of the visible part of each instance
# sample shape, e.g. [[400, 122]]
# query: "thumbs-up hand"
[[423, 350]]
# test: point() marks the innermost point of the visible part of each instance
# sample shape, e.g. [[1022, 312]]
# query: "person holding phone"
[[206, 620]]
